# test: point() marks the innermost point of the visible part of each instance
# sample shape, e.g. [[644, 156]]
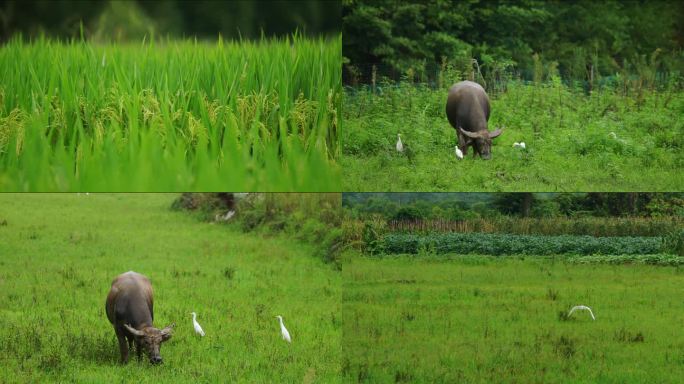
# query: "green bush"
[[373, 232], [673, 242]]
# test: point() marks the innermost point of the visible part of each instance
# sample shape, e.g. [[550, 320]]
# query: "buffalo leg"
[[463, 143], [138, 349], [123, 348]]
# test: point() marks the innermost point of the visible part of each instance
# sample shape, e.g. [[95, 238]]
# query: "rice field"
[[170, 115]]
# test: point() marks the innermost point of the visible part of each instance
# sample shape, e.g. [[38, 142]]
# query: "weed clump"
[[229, 272], [625, 336], [565, 347]]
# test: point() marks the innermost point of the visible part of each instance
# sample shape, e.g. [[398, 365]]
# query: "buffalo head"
[[481, 141], [150, 339]]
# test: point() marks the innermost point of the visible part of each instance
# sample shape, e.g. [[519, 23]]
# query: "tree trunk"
[[526, 205]]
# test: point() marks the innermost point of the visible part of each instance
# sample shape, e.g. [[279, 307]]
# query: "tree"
[[408, 213], [517, 203], [584, 38]]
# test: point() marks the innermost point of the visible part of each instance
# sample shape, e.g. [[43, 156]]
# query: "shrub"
[[673, 242], [373, 232]]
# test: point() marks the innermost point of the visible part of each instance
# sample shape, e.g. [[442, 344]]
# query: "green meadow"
[[170, 115], [622, 137], [60, 253], [479, 319]]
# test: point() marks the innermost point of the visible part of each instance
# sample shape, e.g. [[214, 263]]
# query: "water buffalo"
[[467, 109], [129, 308]]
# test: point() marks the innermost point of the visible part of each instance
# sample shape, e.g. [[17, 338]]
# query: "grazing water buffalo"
[[467, 109], [129, 309]]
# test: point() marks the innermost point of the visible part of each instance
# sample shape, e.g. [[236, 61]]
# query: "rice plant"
[[170, 115]]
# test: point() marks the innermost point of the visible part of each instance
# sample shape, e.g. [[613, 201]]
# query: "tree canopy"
[[123, 20], [577, 39], [457, 206]]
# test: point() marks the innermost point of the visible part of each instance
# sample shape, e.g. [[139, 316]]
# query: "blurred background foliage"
[[459, 206], [135, 19], [535, 39]]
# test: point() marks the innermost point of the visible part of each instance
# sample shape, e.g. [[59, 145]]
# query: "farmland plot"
[[483, 319], [59, 254], [170, 116]]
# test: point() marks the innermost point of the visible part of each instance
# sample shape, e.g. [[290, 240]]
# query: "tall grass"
[[175, 115]]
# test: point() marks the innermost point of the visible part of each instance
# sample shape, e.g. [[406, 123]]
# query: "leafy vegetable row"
[[506, 244]]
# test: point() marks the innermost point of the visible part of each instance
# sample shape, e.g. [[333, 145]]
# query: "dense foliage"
[[581, 39], [503, 209], [505, 244]]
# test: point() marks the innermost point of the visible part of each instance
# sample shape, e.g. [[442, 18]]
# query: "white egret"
[[582, 307], [198, 329], [283, 330], [459, 154], [400, 146]]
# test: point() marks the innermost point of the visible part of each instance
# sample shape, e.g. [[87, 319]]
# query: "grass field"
[[480, 319], [170, 115], [60, 252], [612, 140]]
